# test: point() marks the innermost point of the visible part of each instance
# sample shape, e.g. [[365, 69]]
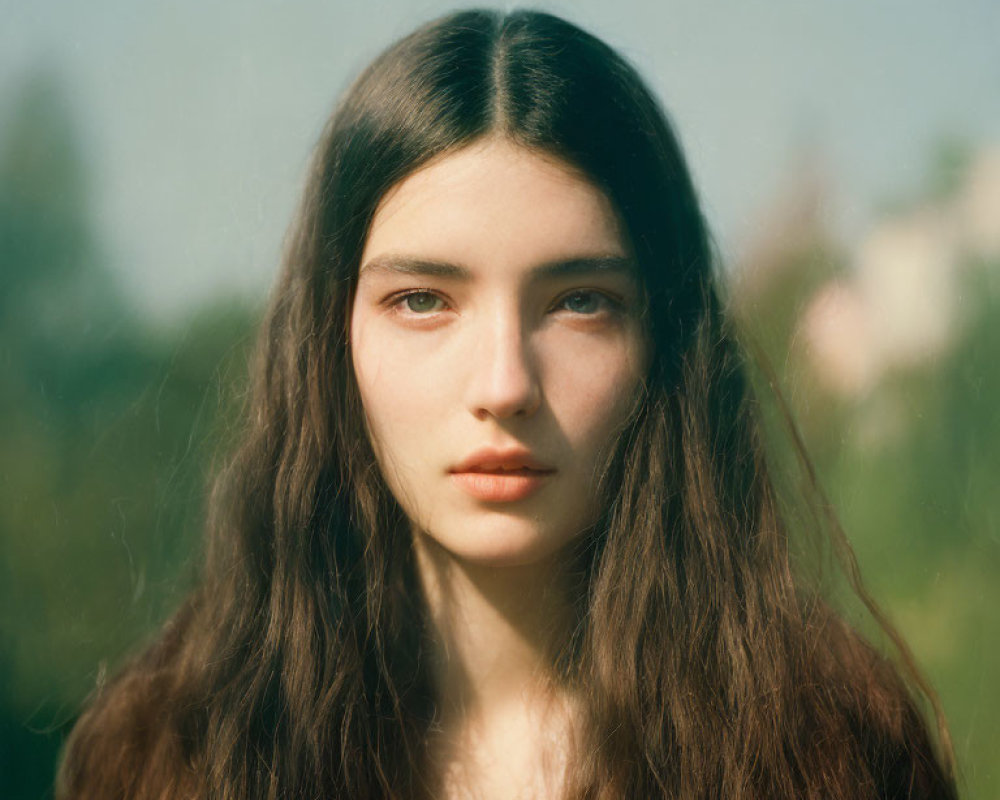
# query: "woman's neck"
[[494, 630], [504, 714]]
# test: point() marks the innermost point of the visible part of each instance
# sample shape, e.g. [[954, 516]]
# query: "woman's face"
[[497, 345]]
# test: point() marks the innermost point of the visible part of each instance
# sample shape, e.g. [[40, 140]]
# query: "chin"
[[497, 546]]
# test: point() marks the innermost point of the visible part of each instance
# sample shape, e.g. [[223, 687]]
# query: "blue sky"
[[198, 118]]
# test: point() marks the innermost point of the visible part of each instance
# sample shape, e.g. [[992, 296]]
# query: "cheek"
[[593, 394], [399, 393]]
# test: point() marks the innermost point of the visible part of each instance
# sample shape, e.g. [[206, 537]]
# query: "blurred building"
[[902, 304]]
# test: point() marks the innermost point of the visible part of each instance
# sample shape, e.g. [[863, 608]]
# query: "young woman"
[[501, 524]]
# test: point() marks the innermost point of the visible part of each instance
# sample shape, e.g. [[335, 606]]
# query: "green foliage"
[[923, 511], [106, 434], [912, 468]]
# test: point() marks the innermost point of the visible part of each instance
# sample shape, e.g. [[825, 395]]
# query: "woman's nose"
[[504, 378]]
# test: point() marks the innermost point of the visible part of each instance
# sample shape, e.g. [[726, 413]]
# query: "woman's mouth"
[[501, 474]]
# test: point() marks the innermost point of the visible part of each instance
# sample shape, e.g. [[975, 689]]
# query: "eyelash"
[[395, 301]]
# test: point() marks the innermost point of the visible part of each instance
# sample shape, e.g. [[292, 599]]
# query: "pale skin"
[[521, 329]]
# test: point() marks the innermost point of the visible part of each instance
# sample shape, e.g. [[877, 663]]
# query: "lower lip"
[[500, 487]]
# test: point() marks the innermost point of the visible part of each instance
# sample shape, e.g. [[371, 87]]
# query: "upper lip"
[[497, 458]]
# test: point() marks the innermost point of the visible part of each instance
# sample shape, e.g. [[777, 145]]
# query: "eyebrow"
[[561, 268]]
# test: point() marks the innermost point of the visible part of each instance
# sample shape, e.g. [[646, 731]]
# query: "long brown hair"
[[708, 668]]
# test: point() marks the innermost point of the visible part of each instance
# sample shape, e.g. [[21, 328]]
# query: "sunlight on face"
[[498, 349]]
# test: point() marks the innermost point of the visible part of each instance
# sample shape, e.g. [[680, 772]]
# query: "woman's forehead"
[[495, 203]]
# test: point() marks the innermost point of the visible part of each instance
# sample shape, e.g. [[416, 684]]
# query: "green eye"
[[585, 302], [420, 302]]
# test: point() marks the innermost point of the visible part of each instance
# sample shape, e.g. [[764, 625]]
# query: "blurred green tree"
[[107, 428], [910, 461]]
